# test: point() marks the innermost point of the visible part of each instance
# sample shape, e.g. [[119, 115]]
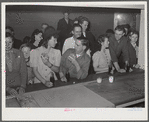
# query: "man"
[[17, 43], [44, 26], [93, 44], [70, 42], [118, 46], [75, 61], [64, 26]]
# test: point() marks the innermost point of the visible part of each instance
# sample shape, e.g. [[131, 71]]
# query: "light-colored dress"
[[36, 61], [102, 59]]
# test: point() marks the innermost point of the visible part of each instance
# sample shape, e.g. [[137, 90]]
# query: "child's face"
[[26, 52], [134, 38]]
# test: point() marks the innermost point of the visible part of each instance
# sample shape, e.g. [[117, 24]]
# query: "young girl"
[[25, 48], [102, 58], [133, 49]]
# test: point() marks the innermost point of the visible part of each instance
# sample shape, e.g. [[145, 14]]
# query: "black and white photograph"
[[74, 60]]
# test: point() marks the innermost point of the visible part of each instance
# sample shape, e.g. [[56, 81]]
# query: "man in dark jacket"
[[64, 27]]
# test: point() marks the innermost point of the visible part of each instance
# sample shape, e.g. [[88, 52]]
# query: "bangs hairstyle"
[[120, 28], [133, 32], [101, 38], [35, 32], [9, 35], [45, 43], [84, 42]]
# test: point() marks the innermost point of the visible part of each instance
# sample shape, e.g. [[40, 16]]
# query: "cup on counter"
[[99, 80]]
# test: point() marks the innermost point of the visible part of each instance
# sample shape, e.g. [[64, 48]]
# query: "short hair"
[[84, 42], [82, 19], [26, 39], [132, 32], [45, 43], [9, 35], [126, 26], [101, 38], [76, 25], [110, 31], [66, 11], [10, 28], [35, 32], [25, 45], [120, 28]]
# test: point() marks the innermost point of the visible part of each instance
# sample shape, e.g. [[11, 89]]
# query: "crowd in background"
[[71, 49]]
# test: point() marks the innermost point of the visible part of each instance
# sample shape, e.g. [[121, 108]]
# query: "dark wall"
[[25, 19]]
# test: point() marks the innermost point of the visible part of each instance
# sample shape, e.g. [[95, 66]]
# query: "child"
[[133, 49], [25, 48]]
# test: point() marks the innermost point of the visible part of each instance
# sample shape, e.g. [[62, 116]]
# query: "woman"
[[102, 58], [36, 37], [16, 71], [45, 61], [133, 49]]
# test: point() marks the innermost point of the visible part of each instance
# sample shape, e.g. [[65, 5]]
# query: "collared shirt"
[[67, 66], [117, 48], [70, 43], [36, 61]]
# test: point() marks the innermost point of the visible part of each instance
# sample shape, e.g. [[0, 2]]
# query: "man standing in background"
[[64, 27]]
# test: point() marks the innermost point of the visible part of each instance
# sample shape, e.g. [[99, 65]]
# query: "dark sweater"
[[117, 48]]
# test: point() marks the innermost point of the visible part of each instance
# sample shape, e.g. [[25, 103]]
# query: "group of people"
[[71, 49]]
